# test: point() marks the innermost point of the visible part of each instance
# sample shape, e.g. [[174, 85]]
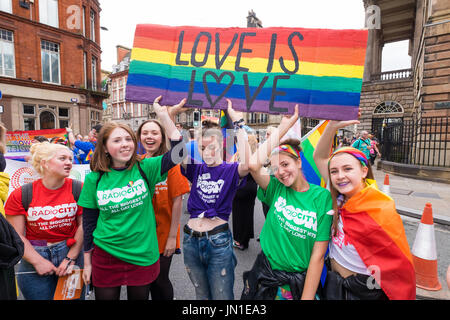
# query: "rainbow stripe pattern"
[[260, 70], [309, 143]]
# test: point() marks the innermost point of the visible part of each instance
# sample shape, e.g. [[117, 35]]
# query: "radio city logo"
[[117, 195], [300, 217], [49, 212]]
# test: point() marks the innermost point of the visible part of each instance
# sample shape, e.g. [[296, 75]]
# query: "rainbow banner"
[[260, 70], [18, 143], [309, 143]]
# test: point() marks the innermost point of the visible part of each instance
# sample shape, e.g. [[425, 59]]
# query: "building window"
[[95, 118], [94, 73], [92, 25], [5, 5], [29, 124], [47, 120], [84, 69], [50, 62], [48, 12], [388, 107], [83, 28], [63, 115], [7, 65]]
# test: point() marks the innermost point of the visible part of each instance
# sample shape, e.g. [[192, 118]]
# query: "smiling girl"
[[121, 247], [295, 235], [167, 204], [369, 253]]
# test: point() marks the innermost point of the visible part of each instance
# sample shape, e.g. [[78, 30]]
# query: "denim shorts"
[[210, 264], [36, 287]]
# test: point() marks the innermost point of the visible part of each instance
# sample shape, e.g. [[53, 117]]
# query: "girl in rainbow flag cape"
[[369, 254]]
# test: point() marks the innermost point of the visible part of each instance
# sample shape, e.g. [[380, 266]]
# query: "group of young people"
[[122, 228]]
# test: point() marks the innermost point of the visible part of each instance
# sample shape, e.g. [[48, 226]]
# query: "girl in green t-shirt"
[[120, 242], [295, 235]]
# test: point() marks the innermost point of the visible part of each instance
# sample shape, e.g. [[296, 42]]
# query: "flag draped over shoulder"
[[309, 143], [376, 230]]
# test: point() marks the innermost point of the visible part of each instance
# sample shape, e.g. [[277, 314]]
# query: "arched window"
[[388, 107], [47, 120]]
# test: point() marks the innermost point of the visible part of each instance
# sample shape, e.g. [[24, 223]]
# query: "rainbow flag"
[[376, 230], [309, 143], [89, 155], [260, 70]]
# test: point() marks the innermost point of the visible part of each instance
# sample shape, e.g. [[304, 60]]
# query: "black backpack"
[[27, 192]]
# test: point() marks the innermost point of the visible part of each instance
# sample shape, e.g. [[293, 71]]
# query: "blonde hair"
[[44, 151]]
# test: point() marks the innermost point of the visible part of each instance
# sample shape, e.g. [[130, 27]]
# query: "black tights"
[[161, 288], [133, 293]]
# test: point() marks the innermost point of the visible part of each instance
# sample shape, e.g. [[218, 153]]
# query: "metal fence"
[[425, 141]]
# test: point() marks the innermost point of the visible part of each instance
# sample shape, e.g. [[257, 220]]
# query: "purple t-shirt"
[[213, 189]]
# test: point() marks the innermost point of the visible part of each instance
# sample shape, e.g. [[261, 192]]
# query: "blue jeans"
[[36, 287], [210, 264]]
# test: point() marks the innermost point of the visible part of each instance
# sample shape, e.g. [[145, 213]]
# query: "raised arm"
[[322, 151], [242, 140], [258, 158], [166, 117]]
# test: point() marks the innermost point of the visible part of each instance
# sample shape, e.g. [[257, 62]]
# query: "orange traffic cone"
[[386, 187], [424, 253]]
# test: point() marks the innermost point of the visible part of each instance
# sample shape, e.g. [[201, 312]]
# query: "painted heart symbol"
[[218, 80]]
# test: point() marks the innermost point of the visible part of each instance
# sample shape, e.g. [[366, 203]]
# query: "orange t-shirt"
[[175, 185]]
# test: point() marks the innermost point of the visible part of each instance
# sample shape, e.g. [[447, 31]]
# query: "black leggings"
[[113, 293], [161, 288]]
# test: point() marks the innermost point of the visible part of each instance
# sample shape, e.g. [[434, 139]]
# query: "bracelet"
[[69, 259], [237, 123]]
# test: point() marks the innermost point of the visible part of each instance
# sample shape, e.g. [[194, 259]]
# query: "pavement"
[[410, 196]]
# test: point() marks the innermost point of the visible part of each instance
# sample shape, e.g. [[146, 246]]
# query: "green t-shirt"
[[295, 221], [126, 226]]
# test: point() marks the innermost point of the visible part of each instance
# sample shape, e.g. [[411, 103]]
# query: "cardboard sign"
[[69, 287], [260, 70]]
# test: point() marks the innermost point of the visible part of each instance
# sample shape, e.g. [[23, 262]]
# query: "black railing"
[[425, 141]]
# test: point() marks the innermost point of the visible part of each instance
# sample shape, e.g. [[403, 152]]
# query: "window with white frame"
[[6, 6], [50, 62], [92, 20], [94, 73], [48, 12], [7, 65]]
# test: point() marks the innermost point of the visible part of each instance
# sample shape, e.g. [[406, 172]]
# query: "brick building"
[[119, 110], [50, 64]]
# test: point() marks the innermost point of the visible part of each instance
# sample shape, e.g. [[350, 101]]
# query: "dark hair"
[[294, 143], [97, 127], [100, 160], [40, 138], [163, 146]]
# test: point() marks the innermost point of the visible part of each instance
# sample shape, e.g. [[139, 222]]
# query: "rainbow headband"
[[286, 148], [358, 154]]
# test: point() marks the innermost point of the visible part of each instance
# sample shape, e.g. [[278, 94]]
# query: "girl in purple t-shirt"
[[207, 243]]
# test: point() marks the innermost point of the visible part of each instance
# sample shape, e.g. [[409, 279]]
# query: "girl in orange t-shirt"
[[167, 203]]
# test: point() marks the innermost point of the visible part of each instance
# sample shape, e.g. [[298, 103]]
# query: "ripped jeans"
[[210, 264]]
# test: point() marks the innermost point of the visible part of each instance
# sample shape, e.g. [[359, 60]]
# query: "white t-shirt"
[[345, 253]]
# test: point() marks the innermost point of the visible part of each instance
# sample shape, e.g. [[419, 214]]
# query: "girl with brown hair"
[[167, 204], [121, 247]]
